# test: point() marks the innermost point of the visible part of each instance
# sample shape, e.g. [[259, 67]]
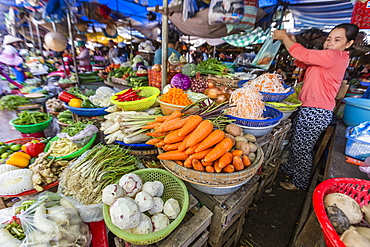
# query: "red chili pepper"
[[66, 97], [33, 149]]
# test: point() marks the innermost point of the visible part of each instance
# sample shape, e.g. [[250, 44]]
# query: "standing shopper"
[[324, 74], [10, 51], [173, 44], [84, 56]]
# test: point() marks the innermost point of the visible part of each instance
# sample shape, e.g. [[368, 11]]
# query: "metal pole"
[[39, 38], [54, 26], [73, 46], [24, 36], [32, 37], [164, 42]]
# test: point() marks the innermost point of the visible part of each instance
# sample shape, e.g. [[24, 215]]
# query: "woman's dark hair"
[[351, 30], [173, 36], [55, 63]]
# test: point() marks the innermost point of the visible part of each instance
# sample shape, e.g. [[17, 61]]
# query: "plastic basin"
[[258, 131], [33, 128], [356, 111], [168, 109]]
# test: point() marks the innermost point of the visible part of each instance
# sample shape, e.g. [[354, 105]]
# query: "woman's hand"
[[279, 34]]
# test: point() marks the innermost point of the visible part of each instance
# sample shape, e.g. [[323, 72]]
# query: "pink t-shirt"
[[324, 75]]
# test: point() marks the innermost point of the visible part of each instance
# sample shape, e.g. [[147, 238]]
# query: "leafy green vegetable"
[[212, 66], [11, 102], [75, 128], [77, 92], [189, 69], [31, 117]]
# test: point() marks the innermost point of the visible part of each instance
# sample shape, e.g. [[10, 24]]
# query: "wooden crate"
[[267, 178], [8, 202], [228, 213], [192, 232], [272, 143]]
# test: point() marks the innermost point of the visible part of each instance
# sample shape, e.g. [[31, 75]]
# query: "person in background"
[[280, 71], [122, 52], [84, 56], [173, 44], [205, 54], [113, 53], [324, 74], [190, 55], [10, 45]]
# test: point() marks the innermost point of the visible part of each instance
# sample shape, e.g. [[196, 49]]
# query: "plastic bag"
[[83, 137], [361, 132], [225, 11], [88, 213], [267, 53], [365, 167], [44, 220]]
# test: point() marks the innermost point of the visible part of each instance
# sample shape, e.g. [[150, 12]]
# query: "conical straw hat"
[[56, 41]]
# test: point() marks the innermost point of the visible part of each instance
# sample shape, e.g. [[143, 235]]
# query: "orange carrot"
[[176, 123], [210, 169], [176, 96], [157, 134], [161, 144], [238, 163], [179, 162], [246, 160], [182, 147], [173, 146], [173, 155], [174, 115], [200, 133], [220, 149], [161, 119], [225, 159], [191, 125], [188, 162], [191, 150], [217, 167], [202, 154], [150, 127], [153, 141], [215, 137], [197, 165], [228, 169], [237, 153], [150, 123], [207, 163], [173, 137]]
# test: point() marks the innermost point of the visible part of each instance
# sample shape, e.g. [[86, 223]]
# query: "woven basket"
[[119, 81], [358, 189], [173, 188], [221, 81], [214, 179]]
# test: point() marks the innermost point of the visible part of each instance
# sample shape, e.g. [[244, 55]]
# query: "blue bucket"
[[356, 111]]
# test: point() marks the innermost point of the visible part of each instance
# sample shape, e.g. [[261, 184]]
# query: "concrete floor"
[[7, 132]]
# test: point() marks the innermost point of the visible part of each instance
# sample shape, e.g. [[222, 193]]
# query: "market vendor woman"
[[84, 56], [324, 74]]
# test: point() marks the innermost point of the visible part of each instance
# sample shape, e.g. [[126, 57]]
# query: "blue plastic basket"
[[277, 97], [273, 116], [356, 148], [365, 83], [87, 112], [240, 83], [135, 145]]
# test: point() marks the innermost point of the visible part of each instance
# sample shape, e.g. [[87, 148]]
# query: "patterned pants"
[[307, 128]]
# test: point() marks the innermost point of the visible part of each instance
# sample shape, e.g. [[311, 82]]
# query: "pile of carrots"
[[111, 67], [176, 96], [191, 142]]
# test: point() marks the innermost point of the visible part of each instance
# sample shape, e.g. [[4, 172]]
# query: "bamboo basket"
[[214, 179]]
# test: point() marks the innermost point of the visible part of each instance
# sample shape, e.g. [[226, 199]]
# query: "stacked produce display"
[[95, 163]]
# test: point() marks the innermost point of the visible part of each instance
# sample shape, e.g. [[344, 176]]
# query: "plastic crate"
[[356, 148], [273, 116], [358, 189], [155, 78], [277, 97]]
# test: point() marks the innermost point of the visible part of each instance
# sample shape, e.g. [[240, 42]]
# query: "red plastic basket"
[[358, 189], [23, 140]]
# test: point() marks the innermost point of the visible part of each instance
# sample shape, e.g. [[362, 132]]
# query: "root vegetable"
[[160, 221], [244, 146], [347, 204], [144, 201], [250, 137], [351, 238], [157, 207], [153, 188], [41, 222], [131, 184], [111, 193], [171, 208], [363, 231], [252, 157], [125, 213], [366, 211], [233, 129], [253, 147], [140, 138], [231, 137], [241, 139], [338, 219], [144, 227]]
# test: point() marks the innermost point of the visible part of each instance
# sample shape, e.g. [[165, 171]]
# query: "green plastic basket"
[[290, 105], [150, 93], [72, 155], [173, 188], [33, 128]]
